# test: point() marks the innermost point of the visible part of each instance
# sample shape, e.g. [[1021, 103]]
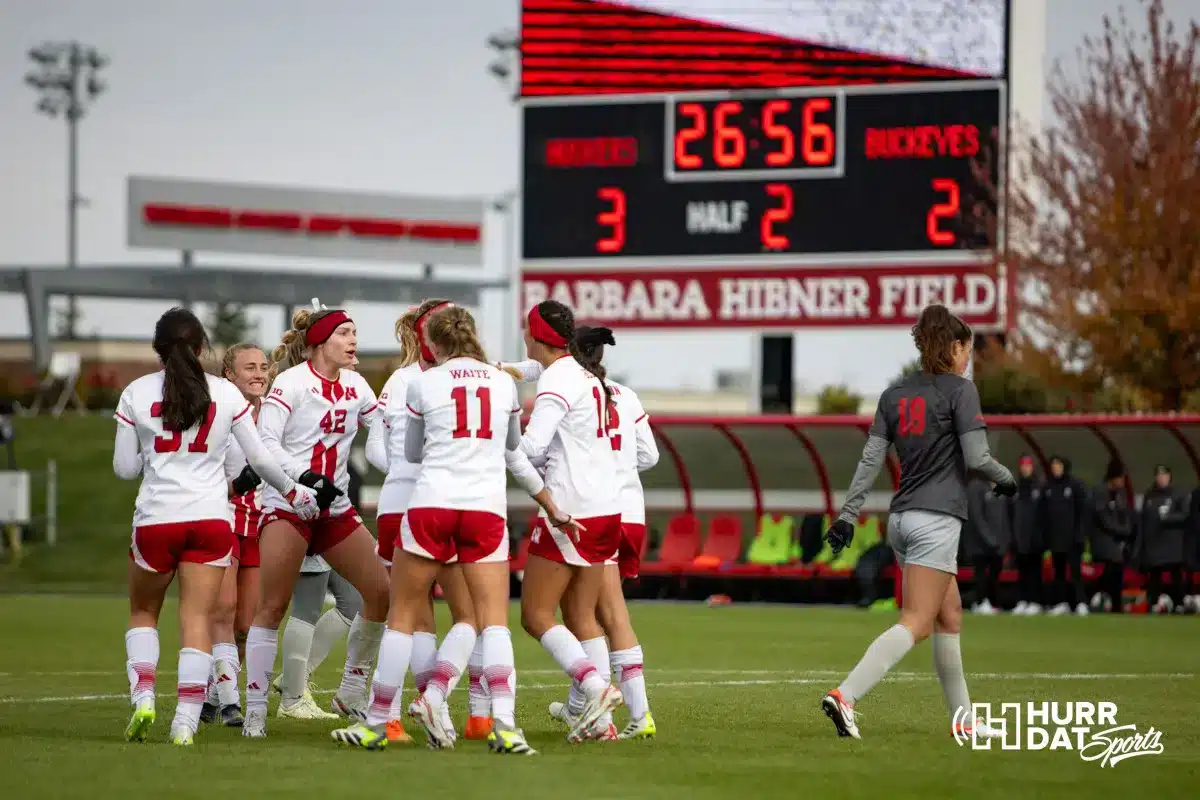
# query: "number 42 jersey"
[[183, 473]]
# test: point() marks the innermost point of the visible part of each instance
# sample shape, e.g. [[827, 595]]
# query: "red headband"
[[323, 328], [541, 331], [419, 327]]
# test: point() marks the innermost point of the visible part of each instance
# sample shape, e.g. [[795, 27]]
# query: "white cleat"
[[986, 608], [1021, 609], [303, 707], [1060, 610], [595, 707], [977, 731], [1081, 610], [353, 708], [429, 718], [561, 713], [1033, 610], [255, 725], [841, 714], [448, 723]]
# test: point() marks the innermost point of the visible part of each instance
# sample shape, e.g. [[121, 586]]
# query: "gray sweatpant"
[[308, 598]]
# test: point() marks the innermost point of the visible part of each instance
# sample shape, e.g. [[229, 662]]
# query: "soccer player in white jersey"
[[308, 420], [464, 430], [568, 432], [633, 439], [385, 450], [173, 429], [245, 366]]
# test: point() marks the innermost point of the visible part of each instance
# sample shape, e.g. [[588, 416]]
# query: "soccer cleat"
[[208, 712], [303, 707], [436, 736], [140, 722], [181, 735], [231, 716], [595, 707], [396, 733], [639, 728], [507, 740], [478, 728], [1060, 609], [364, 736], [351, 708], [448, 723], [602, 733], [977, 731], [255, 725], [1020, 609], [562, 713], [842, 714]]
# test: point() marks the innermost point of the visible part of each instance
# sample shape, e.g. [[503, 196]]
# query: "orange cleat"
[[478, 728], [396, 732]]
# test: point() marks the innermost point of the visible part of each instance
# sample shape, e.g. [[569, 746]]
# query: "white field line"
[[824, 678]]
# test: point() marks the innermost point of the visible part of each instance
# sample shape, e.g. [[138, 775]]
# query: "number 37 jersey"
[[183, 473], [923, 416]]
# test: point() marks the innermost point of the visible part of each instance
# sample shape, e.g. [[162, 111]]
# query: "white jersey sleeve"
[[465, 407], [570, 428], [529, 370], [393, 420], [632, 426]]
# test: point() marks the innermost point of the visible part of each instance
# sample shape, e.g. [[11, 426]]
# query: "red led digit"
[[779, 132], [940, 211], [729, 143], [614, 218], [780, 213], [685, 136], [817, 144]]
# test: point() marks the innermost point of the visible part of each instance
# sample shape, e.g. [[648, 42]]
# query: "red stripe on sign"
[[302, 223]]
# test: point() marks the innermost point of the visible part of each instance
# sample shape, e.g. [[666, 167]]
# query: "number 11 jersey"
[[923, 415]]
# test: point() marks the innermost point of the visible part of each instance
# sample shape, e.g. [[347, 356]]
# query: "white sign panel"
[[166, 214]]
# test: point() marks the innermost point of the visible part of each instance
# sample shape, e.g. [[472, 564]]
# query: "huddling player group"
[[243, 496]]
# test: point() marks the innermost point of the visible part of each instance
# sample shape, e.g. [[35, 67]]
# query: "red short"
[[161, 548], [629, 553], [247, 554], [388, 528], [321, 534], [596, 545], [447, 535]]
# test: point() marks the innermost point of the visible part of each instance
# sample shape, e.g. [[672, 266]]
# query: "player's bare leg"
[[199, 587], [462, 609], [282, 550], [249, 589], [355, 559], [626, 656], [223, 695]]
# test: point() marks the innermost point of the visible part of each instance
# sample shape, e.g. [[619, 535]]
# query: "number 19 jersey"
[[466, 406], [183, 472]]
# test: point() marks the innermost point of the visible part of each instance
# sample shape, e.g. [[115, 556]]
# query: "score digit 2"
[[948, 188], [613, 218]]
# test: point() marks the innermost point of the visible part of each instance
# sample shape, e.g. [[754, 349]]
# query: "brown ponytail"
[[406, 331], [452, 331], [179, 338], [587, 347], [934, 334]]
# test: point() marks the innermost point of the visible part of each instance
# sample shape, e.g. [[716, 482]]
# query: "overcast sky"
[[379, 95]]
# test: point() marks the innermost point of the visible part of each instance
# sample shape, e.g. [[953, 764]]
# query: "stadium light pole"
[[506, 45], [65, 76]]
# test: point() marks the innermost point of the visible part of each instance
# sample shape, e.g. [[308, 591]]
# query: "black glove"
[[840, 536], [246, 481], [1005, 489], [323, 487]]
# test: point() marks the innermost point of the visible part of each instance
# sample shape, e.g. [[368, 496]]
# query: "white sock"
[[362, 646], [575, 699], [395, 653], [297, 643], [628, 665], [883, 654], [226, 668], [947, 661], [452, 658], [330, 629], [566, 650], [500, 673], [597, 653], [479, 704], [424, 654], [194, 668], [141, 663], [262, 644]]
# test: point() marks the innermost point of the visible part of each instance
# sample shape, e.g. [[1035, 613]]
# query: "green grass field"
[[734, 691]]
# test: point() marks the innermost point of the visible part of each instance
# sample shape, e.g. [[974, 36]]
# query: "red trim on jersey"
[[121, 417], [413, 410], [277, 400], [553, 394], [242, 413], [639, 419], [369, 410]]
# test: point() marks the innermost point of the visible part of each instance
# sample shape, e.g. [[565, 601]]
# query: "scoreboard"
[[867, 170]]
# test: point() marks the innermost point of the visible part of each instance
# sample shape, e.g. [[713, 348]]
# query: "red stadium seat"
[[681, 542], [724, 540]]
